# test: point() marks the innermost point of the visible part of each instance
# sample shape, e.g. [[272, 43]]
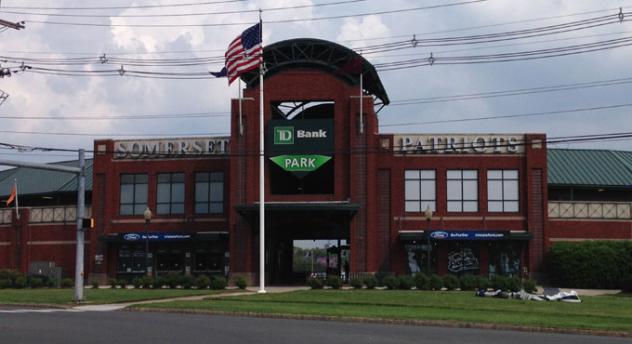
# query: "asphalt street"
[[153, 328]]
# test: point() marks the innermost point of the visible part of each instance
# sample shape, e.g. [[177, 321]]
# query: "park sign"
[[300, 163], [301, 146]]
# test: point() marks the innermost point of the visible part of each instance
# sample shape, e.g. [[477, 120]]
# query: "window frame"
[[171, 203], [420, 181], [134, 204], [502, 199], [209, 201], [462, 200]]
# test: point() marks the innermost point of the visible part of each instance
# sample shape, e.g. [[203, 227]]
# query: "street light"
[[147, 214], [428, 214]]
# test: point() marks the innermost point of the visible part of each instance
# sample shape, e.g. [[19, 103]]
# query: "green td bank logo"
[[284, 135]]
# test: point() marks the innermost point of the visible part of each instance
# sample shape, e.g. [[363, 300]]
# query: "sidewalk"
[[234, 292]]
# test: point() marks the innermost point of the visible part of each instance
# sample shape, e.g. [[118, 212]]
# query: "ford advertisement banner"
[[155, 236], [469, 235]]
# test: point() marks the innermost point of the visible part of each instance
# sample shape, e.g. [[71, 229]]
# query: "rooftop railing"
[[590, 210]]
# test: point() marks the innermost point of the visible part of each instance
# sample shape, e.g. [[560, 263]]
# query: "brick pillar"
[[21, 239]]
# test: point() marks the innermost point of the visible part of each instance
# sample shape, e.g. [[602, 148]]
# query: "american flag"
[[244, 53]]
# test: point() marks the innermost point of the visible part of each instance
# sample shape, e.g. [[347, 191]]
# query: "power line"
[[103, 117], [494, 117], [192, 14], [122, 7], [514, 92], [281, 21], [599, 137]]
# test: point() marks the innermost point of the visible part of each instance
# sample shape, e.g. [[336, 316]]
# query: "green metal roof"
[[589, 167], [33, 181]]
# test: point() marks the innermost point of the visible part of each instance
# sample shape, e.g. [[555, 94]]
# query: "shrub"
[[241, 283], [11, 275], [626, 284], [186, 282], [202, 282], [482, 282], [5, 283], [315, 283], [422, 282], [147, 282], [436, 282], [468, 282], [370, 282], [589, 264], [334, 282], [529, 286], [67, 282], [36, 282], [499, 283], [20, 282], [391, 282], [356, 283], [122, 283], [159, 282], [95, 284], [450, 282], [137, 282], [113, 283], [380, 277], [514, 284], [406, 282], [172, 280], [217, 283]]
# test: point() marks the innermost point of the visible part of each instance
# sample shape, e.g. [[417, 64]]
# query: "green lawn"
[[91, 296], [610, 313]]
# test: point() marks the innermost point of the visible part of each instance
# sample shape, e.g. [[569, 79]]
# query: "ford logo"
[[439, 235], [131, 236]]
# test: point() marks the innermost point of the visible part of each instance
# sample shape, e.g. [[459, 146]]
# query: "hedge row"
[[591, 264], [18, 280], [432, 282], [172, 281]]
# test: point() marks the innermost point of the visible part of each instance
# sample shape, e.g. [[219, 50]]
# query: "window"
[[209, 193], [462, 190], [502, 190], [170, 198], [420, 190], [133, 194]]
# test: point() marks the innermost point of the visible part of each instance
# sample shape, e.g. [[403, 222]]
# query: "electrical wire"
[[514, 92], [280, 21], [122, 7], [495, 117], [192, 14]]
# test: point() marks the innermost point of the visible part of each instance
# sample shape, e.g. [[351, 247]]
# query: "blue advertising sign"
[[156, 236], [469, 235]]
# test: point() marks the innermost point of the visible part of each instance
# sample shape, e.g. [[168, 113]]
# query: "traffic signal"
[[87, 223]]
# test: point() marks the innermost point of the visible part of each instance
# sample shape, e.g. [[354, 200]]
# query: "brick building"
[[405, 203]]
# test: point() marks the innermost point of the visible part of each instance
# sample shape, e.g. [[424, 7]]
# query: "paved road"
[[154, 328]]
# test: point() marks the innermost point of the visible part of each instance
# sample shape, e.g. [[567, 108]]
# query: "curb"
[[438, 323], [35, 306]]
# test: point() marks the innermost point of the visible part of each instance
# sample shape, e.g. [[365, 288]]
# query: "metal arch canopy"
[[331, 57]]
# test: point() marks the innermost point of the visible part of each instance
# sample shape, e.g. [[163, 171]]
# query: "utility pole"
[[80, 172]]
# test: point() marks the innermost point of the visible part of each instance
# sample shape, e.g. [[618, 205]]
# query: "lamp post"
[[147, 214], [428, 214]]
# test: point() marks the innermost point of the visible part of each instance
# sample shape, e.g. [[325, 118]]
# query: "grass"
[[604, 313], [91, 296]]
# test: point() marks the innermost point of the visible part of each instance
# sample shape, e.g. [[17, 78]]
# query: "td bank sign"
[[301, 146]]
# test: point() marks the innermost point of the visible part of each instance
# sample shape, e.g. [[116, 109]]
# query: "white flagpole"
[[17, 207], [262, 189], [361, 103], [241, 125]]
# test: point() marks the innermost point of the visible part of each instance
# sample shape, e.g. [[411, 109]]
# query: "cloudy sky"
[[40, 108]]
